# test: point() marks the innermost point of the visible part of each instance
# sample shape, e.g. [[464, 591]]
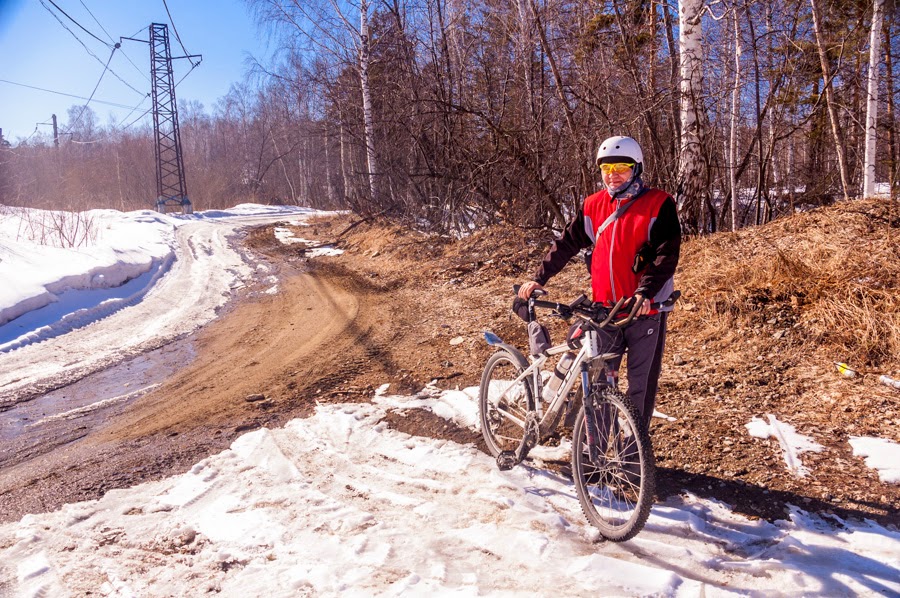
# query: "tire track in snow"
[[183, 295]]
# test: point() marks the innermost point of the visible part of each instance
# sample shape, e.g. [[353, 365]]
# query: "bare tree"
[[692, 169], [328, 26], [829, 99], [872, 101]]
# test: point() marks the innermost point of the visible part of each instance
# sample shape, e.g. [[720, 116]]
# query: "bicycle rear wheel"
[[616, 487], [503, 403]]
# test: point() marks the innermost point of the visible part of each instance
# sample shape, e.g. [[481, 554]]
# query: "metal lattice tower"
[[171, 189]]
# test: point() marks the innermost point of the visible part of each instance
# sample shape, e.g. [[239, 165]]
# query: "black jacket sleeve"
[[665, 238], [573, 240]]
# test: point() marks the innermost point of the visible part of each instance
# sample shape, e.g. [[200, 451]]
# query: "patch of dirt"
[[713, 383], [409, 309], [421, 422]]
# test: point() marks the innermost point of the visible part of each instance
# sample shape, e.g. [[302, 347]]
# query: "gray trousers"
[[643, 341]]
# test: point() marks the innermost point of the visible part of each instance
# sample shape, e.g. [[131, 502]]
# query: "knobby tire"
[[615, 492], [500, 405]]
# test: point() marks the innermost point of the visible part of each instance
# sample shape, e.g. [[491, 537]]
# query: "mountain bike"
[[612, 459]]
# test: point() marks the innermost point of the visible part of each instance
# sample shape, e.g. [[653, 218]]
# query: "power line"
[[76, 22], [68, 94], [132, 112], [88, 50], [33, 133], [99, 24], [136, 67], [135, 34], [193, 66], [96, 21], [178, 37], [85, 107], [146, 112]]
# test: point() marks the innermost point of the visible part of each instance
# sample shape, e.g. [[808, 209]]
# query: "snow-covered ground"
[[171, 272], [339, 503]]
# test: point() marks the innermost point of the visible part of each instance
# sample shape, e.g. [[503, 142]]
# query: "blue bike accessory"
[[492, 339]]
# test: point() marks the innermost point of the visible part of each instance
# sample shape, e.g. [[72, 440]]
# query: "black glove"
[[645, 256]]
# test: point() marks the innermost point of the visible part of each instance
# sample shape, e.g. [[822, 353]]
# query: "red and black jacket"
[[651, 219]]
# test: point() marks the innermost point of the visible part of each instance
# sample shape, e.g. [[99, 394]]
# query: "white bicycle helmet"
[[620, 149]]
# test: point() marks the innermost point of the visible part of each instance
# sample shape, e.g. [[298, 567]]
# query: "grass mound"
[[829, 275]]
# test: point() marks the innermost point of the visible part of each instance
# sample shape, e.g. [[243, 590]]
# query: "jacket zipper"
[[612, 246]]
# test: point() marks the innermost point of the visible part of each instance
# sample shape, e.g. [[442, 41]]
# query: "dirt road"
[[257, 365]]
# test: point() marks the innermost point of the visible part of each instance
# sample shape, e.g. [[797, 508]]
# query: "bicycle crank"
[[506, 460]]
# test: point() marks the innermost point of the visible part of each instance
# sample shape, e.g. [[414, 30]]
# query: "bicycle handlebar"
[[597, 313]]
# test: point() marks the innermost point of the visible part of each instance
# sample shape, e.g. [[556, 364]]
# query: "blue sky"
[[36, 50]]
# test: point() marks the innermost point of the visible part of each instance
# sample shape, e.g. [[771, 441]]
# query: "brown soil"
[[408, 309]]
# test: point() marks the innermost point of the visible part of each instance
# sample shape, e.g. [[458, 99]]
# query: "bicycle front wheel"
[[615, 472], [503, 402]]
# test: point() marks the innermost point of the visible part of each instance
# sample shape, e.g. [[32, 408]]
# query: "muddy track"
[[268, 360]]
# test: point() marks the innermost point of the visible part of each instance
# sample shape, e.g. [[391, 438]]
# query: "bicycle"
[[612, 459]]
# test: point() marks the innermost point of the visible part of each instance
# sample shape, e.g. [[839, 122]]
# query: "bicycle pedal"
[[506, 460]]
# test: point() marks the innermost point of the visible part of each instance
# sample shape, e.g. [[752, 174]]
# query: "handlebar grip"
[[534, 293], [668, 302], [655, 305]]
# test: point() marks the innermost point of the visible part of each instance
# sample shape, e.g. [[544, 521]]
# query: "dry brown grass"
[[830, 274]]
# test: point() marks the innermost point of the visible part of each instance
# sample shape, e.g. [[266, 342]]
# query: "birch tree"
[[872, 102], [692, 171], [368, 122], [328, 27], [735, 116]]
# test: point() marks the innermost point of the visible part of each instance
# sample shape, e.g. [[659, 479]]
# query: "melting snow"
[[792, 443], [340, 504]]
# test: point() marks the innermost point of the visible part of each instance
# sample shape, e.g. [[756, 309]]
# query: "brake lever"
[[612, 312], [635, 308]]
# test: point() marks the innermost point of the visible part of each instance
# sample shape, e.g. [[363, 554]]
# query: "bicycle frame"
[[580, 368]]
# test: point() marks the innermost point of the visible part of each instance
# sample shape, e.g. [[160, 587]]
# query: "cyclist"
[[634, 256]]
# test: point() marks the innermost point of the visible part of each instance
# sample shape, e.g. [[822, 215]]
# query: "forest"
[[450, 114]]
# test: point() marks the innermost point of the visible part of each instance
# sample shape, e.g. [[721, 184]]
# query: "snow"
[[286, 236], [340, 504], [881, 454], [792, 443], [159, 276]]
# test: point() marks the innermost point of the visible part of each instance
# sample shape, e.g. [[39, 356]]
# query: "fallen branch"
[[358, 222]]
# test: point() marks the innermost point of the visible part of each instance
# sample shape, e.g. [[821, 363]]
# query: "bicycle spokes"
[[506, 403], [612, 462]]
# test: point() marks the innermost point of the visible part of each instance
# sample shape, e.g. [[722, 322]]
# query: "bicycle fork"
[[590, 418], [595, 427]]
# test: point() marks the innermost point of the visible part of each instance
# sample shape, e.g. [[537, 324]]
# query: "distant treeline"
[[446, 114]]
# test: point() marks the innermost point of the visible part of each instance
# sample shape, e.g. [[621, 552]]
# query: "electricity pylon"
[[171, 188]]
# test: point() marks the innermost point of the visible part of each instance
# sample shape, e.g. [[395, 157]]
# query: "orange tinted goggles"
[[616, 167]]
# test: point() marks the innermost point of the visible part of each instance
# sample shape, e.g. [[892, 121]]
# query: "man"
[[635, 255]]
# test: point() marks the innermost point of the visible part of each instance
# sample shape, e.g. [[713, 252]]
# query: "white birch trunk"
[[690, 172], [735, 109], [329, 182], [872, 104], [367, 96], [345, 161]]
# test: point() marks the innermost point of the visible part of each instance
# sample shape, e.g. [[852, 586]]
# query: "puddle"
[[70, 412]]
